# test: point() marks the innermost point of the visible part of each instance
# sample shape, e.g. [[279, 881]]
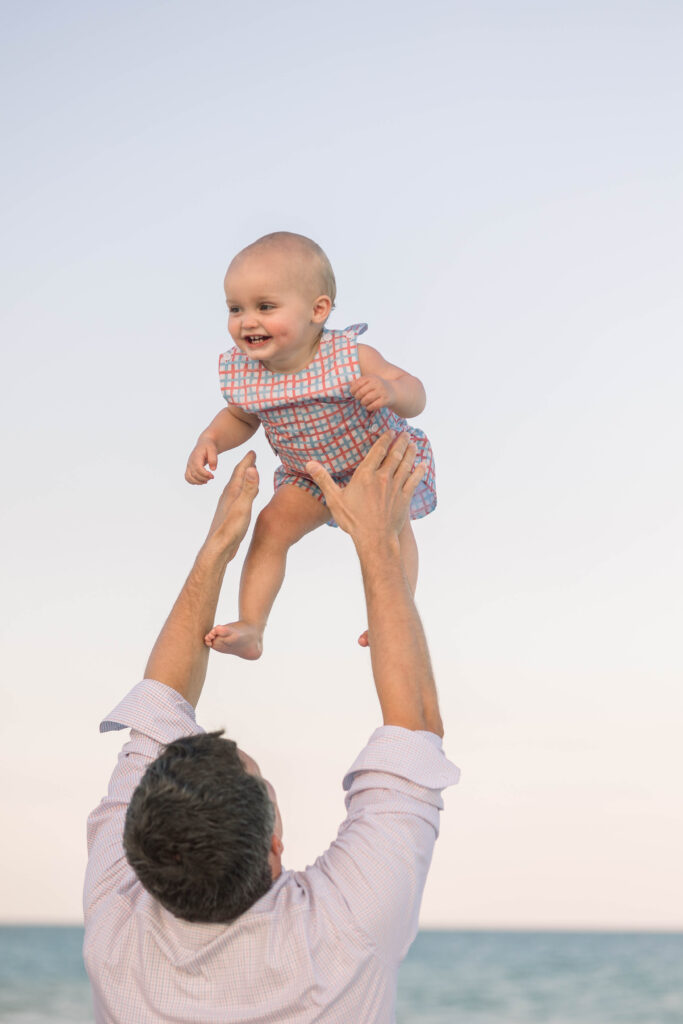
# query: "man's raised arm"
[[179, 657], [372, 509]]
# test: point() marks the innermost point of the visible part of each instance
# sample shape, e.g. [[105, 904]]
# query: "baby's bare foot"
[[238, 638], [363, 639]]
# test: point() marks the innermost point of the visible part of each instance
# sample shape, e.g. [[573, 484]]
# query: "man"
[[189, 914]]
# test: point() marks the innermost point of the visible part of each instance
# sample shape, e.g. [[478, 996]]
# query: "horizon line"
[[585, 929]]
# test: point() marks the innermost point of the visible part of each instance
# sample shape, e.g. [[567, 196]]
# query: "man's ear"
[[276, 845], [321, 309]]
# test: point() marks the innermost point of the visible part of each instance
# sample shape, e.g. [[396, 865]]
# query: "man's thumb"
[[251, 481], [320, 476]]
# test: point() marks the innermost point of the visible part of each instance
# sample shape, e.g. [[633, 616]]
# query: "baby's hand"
[[372, 392], [204, 453]]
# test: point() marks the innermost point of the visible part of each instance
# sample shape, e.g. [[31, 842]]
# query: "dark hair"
[[198, 830]]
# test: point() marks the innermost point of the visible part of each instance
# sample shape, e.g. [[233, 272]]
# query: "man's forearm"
[[179, 657], [400, 658]]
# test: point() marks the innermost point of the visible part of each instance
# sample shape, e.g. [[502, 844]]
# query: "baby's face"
[[275, 315]]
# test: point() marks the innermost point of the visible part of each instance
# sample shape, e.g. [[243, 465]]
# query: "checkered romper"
[[312, 415]]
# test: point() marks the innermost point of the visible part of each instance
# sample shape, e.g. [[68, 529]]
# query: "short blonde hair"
[[304, 247]]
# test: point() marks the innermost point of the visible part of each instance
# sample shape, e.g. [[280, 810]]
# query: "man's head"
[[203, 833]]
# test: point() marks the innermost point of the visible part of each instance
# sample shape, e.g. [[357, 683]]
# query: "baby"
[[319, 394]]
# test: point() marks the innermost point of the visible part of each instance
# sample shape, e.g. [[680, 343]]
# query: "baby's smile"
[[256, 339]]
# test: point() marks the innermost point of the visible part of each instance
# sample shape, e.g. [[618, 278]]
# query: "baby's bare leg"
[[290, 515], [410, 559]]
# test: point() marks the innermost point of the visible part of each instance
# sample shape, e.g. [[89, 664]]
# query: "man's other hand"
[[376, 501], [233, 514]]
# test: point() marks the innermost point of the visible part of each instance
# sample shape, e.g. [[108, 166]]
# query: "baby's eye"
[[233, 309], [266, 305]]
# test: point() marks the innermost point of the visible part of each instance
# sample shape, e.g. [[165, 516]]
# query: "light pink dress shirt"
[[322, 945]]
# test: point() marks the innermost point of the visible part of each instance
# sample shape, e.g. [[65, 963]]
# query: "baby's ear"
[[321, 309]]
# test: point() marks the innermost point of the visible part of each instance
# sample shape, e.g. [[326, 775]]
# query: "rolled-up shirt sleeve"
[[156, 715], [379, 861]]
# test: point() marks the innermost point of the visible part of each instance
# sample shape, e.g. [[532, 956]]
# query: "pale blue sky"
[[498, 187]]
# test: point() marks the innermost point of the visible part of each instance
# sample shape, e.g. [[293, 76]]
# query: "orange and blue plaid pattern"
[[313, 415]]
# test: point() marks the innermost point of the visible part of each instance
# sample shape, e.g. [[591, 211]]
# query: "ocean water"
[[454, 977], [542, 978]]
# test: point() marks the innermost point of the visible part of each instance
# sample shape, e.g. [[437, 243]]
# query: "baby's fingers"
[[373, 404], [195, 474], [367, 395], [361, 385]]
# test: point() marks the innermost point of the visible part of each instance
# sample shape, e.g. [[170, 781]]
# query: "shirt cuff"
[[411, 754], [156, 710]]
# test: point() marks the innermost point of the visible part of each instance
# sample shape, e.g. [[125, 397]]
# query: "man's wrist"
[[217, 549], [380, 546]]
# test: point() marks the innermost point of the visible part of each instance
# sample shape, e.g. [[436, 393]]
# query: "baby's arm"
[[229, 429], [384, 385]]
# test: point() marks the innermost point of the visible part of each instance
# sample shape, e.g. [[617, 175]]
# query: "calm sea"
[[447, 978]]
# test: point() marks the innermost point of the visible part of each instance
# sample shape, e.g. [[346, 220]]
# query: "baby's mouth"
[[256, 339]]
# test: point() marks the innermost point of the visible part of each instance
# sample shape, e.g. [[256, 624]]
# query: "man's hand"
[[377, 499], [204, 453], [373, 392], [233, 514]]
